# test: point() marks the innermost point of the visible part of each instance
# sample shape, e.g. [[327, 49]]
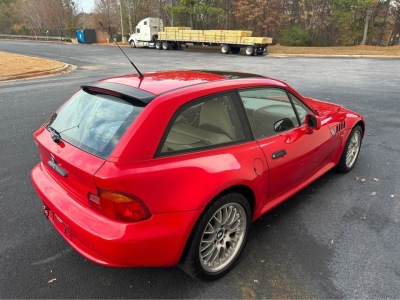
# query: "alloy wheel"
[[223, 237], [353, 149]]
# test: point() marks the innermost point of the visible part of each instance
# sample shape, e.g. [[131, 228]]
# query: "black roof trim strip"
[[227, 74], [231, 74], [185, 86], [124, 90]]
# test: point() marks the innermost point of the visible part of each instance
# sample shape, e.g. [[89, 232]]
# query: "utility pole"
[[122, 24]]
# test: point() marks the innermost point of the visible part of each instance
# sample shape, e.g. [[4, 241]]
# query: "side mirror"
[[312, 123]]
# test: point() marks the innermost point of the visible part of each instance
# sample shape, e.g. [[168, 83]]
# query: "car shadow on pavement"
[[279, 260]]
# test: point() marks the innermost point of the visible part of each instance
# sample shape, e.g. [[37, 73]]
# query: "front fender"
[[341, 125]]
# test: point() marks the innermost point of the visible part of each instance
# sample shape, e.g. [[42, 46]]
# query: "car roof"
[[161, 82]]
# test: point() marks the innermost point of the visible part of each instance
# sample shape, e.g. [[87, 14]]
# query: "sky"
[[87, 5]]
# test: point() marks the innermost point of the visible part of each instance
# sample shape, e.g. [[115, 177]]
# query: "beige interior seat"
[[183, 136], [267, 117], [214, 117]]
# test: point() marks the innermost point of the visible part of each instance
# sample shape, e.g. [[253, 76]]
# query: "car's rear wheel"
[[351, 150], [158, 45], [218, 238]]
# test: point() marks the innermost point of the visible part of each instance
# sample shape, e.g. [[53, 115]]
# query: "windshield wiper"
[[55, 135]]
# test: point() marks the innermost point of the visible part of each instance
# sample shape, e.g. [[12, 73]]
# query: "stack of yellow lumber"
[[190, 35], [171, 29], [257, 40], [230, 33], [227, 36], [173, 35], [233, 36]]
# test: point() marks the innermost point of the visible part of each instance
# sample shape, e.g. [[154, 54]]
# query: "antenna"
[[140, 74]]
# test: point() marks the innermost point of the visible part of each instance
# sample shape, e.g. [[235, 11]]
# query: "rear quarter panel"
[[187, 181]]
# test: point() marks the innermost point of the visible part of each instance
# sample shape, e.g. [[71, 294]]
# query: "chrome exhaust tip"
[[46, 212]]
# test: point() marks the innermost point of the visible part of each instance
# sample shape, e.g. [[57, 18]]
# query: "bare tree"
[[33, 14], [108, 12]]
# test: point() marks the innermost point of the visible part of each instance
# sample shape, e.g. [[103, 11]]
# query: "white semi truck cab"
[[146, 31]]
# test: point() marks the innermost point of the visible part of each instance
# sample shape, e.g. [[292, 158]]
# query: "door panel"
[[304, 155], [276, 120]]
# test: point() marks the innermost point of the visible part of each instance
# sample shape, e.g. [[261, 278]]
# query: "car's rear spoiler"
[[120, 90]]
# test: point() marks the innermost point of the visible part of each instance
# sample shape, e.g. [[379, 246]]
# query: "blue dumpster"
[[80, 36], [86, 36]]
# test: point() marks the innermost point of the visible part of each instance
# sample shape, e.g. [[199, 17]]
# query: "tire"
[[158, 45], [259, 53], [132, 43], [346, 164], [191, 261], [225, 49], [166, 46], [235, 50], [249, 51]]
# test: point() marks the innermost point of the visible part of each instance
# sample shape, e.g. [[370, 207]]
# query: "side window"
[[301, 108], [204, 123], [137, 30], [269, 111], [145, 23]]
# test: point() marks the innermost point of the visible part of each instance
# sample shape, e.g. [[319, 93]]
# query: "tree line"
[[289, 22]]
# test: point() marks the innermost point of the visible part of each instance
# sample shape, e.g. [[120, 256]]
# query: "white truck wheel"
[[158, 45], [225, 49], [166, 46], [249, 50], [132, 43]]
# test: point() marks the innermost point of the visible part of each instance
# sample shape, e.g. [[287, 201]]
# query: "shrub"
[[295, 36], [319, 44]]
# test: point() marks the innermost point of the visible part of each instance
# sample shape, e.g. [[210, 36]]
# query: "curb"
[[37, 74], [109, 45], [33, 40], [337, 55]]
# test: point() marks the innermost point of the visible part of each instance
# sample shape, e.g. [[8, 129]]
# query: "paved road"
[[331, 240]]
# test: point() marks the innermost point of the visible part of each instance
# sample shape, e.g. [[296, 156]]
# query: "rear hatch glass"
[[90, 126], [94, 122]]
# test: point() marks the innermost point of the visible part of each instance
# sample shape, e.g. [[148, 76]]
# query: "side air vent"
[[340, 127]]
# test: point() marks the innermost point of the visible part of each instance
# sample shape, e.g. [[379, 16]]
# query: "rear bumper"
[[158, 241]]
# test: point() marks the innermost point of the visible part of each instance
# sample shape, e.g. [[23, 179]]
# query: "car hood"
[[325, 109]]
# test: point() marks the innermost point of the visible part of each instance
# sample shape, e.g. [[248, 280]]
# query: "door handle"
[[57, 168], [279, 153]]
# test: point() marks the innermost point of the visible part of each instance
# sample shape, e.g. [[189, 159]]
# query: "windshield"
[[94, 122]]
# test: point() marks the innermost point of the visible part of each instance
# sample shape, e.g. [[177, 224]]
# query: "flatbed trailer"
[[150, 33], [226, 47]]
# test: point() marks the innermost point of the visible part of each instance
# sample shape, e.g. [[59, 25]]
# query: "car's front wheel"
[[351, 150], [218, 238], [132, 43]]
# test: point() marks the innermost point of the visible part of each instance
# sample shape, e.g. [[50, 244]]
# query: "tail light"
[[121, 207]]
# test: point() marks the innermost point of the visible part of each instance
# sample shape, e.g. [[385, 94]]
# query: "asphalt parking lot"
[[337, 238]]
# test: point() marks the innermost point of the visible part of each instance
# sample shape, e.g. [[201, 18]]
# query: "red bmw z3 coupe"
[[172, 168]]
